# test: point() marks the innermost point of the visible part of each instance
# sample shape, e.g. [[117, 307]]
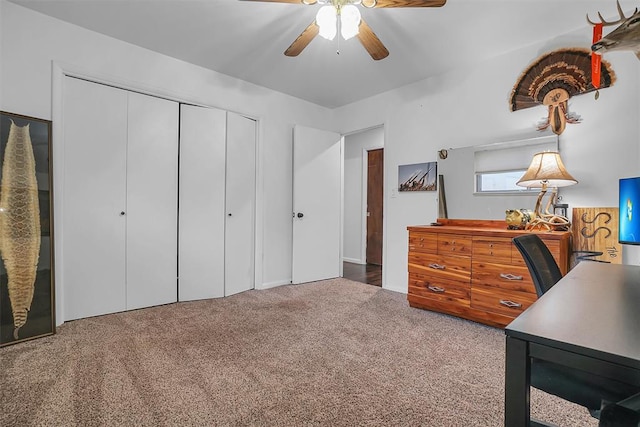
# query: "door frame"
[[59, 71], [363, 201]]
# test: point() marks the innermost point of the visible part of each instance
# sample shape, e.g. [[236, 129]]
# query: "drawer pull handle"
[[510, 304], [437, 266], [436, 289], [510, 276]]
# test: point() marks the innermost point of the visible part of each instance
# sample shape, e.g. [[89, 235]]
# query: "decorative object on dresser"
[[547, 170], [471, 269], [595, 235]]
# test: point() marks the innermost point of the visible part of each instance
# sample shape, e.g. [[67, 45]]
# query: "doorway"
[[363, 206]]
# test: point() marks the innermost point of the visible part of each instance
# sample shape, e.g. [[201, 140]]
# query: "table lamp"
[[547, 170]]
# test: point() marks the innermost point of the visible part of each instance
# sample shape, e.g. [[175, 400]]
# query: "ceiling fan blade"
[[303, 40], [403, 3], [371, 42], [287, 1]]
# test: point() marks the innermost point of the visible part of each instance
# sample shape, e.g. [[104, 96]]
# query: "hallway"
[[364, 273]]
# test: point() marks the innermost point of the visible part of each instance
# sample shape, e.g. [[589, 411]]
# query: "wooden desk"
[[589, 320]]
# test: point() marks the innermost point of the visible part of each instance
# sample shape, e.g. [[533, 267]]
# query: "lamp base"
[[548, 221]]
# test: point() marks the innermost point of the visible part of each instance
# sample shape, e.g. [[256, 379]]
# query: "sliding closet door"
[[94, 196], [240, 203], [201, 204], [152, 192]]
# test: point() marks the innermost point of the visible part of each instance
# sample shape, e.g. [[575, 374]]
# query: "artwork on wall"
[[26, 234], [417, 177], [555, 77]]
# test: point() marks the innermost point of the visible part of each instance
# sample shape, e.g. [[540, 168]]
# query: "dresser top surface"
[[494, 228]]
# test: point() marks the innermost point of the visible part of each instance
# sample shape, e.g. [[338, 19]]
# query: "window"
[[499, 167], [491, 182]]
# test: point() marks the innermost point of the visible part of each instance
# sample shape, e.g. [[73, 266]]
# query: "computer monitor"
[[629, 204]]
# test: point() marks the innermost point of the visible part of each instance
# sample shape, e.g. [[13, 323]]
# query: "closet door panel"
[[201, 203], [240, 204], [93, 237], [152, 191]]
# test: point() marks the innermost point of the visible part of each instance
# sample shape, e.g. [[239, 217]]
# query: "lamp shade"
[[546, 169]]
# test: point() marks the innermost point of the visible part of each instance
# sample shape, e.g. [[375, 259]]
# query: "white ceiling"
[[246, 39]]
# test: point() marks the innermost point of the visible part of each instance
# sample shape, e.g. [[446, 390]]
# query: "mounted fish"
[[19, 222], [625, 37], [554, 78]]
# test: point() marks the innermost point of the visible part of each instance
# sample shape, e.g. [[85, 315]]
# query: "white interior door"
[[201, 203], [240, 204], [316, 204], [152, 191], [93, 243]]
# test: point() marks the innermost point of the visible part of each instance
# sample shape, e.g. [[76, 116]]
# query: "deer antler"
[[605, 23]]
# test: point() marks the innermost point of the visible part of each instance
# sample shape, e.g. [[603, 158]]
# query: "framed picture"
[[26, 234], [417, 177]]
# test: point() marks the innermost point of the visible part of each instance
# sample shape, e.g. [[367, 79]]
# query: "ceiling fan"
[[345, 15]]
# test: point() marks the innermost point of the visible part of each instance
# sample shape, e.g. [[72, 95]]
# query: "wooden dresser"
[[471, 269]]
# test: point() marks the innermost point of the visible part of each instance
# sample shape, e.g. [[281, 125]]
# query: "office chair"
[[577, 386]]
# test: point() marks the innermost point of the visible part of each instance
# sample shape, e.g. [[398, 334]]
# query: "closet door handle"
[[122, 213]]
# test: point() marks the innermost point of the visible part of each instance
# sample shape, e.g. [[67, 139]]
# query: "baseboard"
[[394, 289], [274, 284], [353, 260]]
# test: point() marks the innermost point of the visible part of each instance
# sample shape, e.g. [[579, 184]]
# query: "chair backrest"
[[542, 266]]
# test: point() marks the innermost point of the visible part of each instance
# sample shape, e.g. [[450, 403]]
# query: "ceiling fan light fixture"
[[350, 21], [326, 18]]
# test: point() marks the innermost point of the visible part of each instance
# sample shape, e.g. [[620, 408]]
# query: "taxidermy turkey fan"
[[552, 79], [345, 14]]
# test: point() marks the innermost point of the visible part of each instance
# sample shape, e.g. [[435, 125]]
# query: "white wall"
[[469, 106], [355, 190], [36, 47]]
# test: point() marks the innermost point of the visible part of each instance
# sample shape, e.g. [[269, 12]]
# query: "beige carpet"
[[332, 353]]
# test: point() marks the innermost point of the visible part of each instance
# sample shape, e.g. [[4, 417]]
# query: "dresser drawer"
[[455, 244], [423, 242], [504, 276], [439, 289], [441, 266], [554, 248], [494, 249], [509, 303]]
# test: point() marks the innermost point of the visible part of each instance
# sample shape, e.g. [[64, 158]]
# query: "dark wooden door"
[[375, 185]]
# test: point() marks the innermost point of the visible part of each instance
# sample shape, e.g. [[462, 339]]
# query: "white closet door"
[[240, 204], [93, 229], [152, 191], [201, 203]]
